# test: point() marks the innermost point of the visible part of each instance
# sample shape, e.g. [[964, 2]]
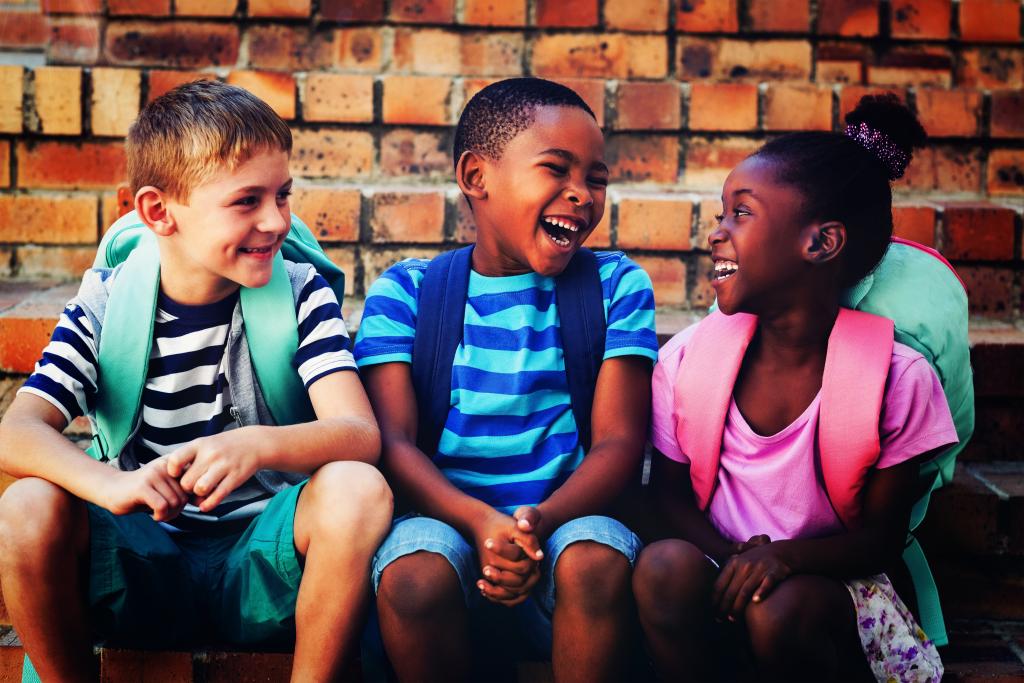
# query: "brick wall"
[[683, 88]]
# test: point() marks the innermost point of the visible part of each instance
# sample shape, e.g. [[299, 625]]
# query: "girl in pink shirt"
[[804, 217]]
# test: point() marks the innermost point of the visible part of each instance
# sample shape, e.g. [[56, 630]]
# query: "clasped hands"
[[509, 551], [749, 575]]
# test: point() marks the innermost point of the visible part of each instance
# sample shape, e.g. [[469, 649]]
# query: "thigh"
[[413, 534]]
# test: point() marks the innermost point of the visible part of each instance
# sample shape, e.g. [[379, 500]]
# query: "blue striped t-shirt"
[[510, 438]]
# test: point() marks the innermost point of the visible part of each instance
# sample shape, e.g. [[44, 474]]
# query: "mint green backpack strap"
[[28, 672], [271, 330]]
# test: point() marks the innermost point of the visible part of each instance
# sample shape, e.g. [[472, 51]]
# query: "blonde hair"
[[188, 134]]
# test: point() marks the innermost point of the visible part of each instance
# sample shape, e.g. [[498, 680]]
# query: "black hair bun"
[[885, 114]]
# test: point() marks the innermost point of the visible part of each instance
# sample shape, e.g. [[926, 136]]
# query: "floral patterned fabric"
[[896, 647]]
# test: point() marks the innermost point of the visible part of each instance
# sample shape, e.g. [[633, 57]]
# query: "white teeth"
[[565, 225], [560, 241], [724, 269]]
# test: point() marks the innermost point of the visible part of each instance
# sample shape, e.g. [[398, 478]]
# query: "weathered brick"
[[232, 667], [332, 214], [921, 18], [789, 16], [73, 40], [708, 162], [153, 8], [420, 154], [276, 89], [48, 219], [465, 227], [797, 106], [708, 210], [990, 20], [289, 48], [991, 67], [637, 158], [115, 100], [949, 113], [72, 6], [113, 205], [352, 10], [609, 55], [346, 98], [376, 261], [706, 16], [430, 51], [5, 163], [654, 222], [1007, 114], [648, 106], [161, 81], [913, 66], [280, 8], [205, 8], [601, 236], [492, 54], [494, 12], [12, 88], [67, 165], [591, 90], [728, 59], [21, 341], [703, 293], [915, 223], [1006, 172], [566, 13], [851, 95], [848, 17], [23, 30], [944, 168], [668, 275], [139, 665], [423, 11], [345, 258], [58, 99], [185, 44], [989, 290], [358, 49], [331, 153], [408, 216], [839, 71], [471, 86], [723, 106], [978, 231], [636, 15], [424, 100]]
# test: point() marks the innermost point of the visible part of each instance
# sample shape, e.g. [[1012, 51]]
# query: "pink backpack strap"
[[703, 391], [852, 390]]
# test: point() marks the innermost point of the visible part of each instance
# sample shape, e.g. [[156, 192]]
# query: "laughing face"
[[536, 205]]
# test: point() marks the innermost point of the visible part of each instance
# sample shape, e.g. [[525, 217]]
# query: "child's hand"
[[148, 488], [211, 467], [748, 576], [754, 542], [509, 559], [528, 520]]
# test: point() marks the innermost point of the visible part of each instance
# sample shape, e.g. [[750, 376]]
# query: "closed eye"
[[555, 168], [247, 201]]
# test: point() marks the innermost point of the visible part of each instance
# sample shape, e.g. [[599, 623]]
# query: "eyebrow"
[[569, 156], [261, 188]]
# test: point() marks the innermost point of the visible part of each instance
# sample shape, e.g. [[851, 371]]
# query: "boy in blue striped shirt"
[[508, 508], [209, 527]]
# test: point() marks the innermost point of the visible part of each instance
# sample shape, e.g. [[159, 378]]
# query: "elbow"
[[373, 444]]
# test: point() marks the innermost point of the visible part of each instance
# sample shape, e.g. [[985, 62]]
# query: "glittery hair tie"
[[881, 145]]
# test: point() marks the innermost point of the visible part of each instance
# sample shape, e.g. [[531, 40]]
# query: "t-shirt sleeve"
[[324, 344], [388, 327], [630, 310], [915, 417], [66, 374], [663, 380]]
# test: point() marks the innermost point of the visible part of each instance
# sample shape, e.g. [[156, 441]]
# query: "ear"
[[151, 203], [469, 174], [823, 242]]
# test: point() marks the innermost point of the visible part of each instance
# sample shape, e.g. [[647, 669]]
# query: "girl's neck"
[[797, 334]]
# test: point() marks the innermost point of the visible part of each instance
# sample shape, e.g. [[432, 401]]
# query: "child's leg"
[[341, 517], [672, 584], [44, 548]]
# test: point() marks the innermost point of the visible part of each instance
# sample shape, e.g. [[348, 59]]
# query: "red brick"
[[797, 106], [21, 343], [494, 12], [5, 164], [654, 222], [178, 43], [915, 223], [566, 13], [709, 208], [648, 106], [358, 49], [424, 100], [332, 214], [345, 258], [707, 16], [471, 86], [789, 16], [848, 17], [913, 66], [345, 98], [636, 15], [290, 48], [115, 100], [989, 290], [276, 89], [492, 54], [465, 227], [990, 20], [73, 40], [408, 216], [723, 106], [601, 236], [156, 8], [668, 275], [72, 6], [839, 71], [608, 55], [708, 162], [205, 8], [423, 11], [139, 665], [851, 95], [1008, 114], [991, 67], [431, 51], [978, 232], [755, 61], [161, 82], [48, 219], [420, 154], [23, 29], [352, 10], [921, 18], [67, 165], [949, 113], [58, 93], [280, 8], [591, 90], [331, 153], [943, 168], [240, 667], [113, 205], [1006, 172], [12, 88], [637, 158]]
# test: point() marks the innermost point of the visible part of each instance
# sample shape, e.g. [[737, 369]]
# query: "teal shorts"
[[152, 588]]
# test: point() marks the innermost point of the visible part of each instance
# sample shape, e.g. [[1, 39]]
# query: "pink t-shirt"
[[772, 484]]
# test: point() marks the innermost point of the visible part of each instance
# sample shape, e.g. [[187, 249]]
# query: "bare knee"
[[592, 577], [672, 577], [419, 588], [776, 624], [37, 519], [346, 497]]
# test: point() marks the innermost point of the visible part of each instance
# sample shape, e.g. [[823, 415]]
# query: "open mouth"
[[562, 231], [256, 250], [725, 270]]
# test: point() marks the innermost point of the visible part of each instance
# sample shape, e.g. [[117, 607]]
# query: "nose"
[[717, 236], [579, 195], [275, 219]]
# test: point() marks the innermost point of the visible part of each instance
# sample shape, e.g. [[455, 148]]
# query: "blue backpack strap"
[[439, 322], [583, 326]]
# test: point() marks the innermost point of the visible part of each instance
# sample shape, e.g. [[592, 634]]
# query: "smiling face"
[[536, 205]]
